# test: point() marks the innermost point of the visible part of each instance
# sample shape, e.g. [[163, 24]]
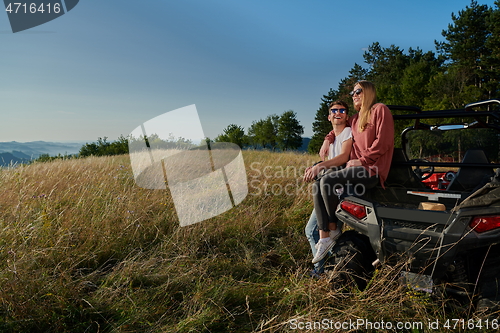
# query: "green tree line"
[[103, 147], [275, 132]]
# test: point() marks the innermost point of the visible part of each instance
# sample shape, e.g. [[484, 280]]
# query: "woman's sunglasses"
[[337, 111], [356, 92]]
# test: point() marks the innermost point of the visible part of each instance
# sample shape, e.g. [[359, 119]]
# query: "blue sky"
[[106, 67]]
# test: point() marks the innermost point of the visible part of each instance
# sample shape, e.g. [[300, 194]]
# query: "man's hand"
[[310, 173]]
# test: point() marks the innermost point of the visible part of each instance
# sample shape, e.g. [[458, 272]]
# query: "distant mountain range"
[[305, 144], [21, 152]]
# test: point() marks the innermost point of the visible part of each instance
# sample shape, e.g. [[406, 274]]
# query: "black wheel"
[[423, 173], [351, 261], [488, 286]]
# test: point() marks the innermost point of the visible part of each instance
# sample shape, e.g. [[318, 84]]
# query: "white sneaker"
[[324, 247], [322, 250]]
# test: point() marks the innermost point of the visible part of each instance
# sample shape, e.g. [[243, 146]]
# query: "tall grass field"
[[84, 249]]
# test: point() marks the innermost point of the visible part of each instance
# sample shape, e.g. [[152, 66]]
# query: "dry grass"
[[83, 249]]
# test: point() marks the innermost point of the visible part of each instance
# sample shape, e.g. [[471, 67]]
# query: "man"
[[339, 152]]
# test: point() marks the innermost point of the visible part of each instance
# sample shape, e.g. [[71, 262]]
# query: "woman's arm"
[[329, 139], [323, 152]]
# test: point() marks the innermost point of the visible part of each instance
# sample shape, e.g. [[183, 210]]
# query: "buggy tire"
[[350, 263]]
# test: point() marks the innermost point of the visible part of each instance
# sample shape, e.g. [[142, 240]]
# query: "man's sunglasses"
[[356, 92], [338, 111]]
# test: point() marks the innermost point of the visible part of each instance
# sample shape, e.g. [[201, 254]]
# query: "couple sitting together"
[[364, 144]]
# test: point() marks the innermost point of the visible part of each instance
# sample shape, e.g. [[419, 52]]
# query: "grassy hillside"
[[83, 249]]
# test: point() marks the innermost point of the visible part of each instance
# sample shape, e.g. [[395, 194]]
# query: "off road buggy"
[[440, 207]]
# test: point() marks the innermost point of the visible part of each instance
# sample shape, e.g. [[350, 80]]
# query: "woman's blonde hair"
[[368, 99]]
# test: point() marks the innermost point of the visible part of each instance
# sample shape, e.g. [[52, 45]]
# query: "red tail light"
[[485, 223], [358, 211]]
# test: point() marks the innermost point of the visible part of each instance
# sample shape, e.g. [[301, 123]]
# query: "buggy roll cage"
[[483, 119]]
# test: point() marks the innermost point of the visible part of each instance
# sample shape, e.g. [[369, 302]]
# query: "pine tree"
[[234, 134], [387, 66], [262, 133], [289, 134], [466, 46]]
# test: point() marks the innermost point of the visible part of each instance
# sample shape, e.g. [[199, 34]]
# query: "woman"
[[369, 164]]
